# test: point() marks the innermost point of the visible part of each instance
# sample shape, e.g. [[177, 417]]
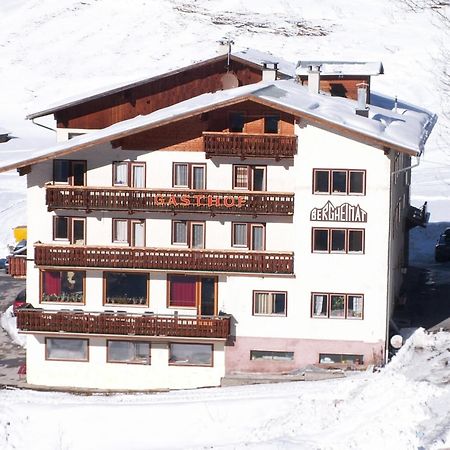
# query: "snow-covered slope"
[[405, 406], [58, 48]]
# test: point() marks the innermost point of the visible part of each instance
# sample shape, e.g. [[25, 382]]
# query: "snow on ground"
[[404, 406], [9, 323]]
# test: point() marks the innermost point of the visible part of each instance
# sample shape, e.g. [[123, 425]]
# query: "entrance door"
[[208, 301]]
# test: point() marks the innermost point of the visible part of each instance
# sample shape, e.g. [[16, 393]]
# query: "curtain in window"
[[197, 235], [263, 303], [138, 176], [181, 175], [52, 283], [182, 291], [121, 173], [198, 177], [180, 233], [257, 238], [241, 177], [240, 234], [121, 234], [318, 304], [139, 234]]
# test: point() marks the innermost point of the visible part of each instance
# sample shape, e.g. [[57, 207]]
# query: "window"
[[70, 229], [129, 231], [343, 182], [66, 171], [189, 176], [340, 358], [269, 303], [127, 173], [191, 354], [191, 234], [271, 355], [248, 235], [130, 352], [271, 124], [337, 240], [198, 292], [252, 178], [343, 306], [66, 349], [182, 291], [64, 286], [122, 288], [237, 122]]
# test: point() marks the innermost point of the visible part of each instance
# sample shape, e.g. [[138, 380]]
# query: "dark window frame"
[[130, 178], [105, 302], [70, 228], [190, 365], [254, 294], [348, 189], [347, 250], [189, 233], [249, 235], [190, 166], [250, 177], [328, 315], [70, 177], [130, 240]]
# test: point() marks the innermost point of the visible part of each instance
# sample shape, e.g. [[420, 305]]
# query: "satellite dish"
[[229, 81], [396, 341]]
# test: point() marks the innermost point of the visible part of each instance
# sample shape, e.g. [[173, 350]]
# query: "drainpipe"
[[43, 126]]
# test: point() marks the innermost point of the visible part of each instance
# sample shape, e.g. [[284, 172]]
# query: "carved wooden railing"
[[121, 323], [249, 145], [164, 259], [17, 265], [157, 200]]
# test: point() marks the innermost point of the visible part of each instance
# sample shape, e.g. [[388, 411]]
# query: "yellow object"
[[20, 233]]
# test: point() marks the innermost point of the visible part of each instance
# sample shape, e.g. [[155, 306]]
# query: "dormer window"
[[271, 124], [66, 171]]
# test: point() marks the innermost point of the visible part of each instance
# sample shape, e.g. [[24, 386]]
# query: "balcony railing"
[[131, 199], [164, 259], [17, 266], [249, 145], [123, 324]]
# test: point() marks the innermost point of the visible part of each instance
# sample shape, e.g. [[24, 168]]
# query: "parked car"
[[2, 263], [442, 248], [20, 301]]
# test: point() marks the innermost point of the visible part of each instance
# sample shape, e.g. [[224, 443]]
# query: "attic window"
[[271, 124], [236, 122]]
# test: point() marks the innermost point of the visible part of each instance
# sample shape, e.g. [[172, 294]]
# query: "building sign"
[[199, 200], [341, 213]]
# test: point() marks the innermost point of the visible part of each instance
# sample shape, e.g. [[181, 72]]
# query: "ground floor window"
[[62, 286], [124, 288], [271, 355], [63, 349], [269, 303], [191, 354], [131, 352], [340, 358], [343, 306]]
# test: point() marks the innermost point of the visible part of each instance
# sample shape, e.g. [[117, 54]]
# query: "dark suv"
[[442, 248]]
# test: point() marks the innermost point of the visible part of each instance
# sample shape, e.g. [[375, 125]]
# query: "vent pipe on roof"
[[314, 79], [269, 71], [362, 109]]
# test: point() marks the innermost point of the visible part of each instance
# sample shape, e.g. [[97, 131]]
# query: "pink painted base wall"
[[306, 351]]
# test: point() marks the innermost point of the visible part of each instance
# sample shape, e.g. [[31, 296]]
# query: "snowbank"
[[405, 406], [9, 323]]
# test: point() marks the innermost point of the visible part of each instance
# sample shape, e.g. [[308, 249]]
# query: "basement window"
[[271, 355], [340, 358]]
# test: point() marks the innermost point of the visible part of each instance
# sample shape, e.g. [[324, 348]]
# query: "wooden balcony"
[[222, 261], [246, 145], [173, 200], [123, 324], [17, 266]]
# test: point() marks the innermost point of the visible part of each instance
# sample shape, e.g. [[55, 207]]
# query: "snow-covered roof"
[[350, 68], [251, 56], [3, 131], [406, 129]]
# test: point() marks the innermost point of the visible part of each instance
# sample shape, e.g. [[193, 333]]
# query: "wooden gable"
[[155, 94]]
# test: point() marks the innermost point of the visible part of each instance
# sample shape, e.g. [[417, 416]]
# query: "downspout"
[[43, 126], [396, 172]]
